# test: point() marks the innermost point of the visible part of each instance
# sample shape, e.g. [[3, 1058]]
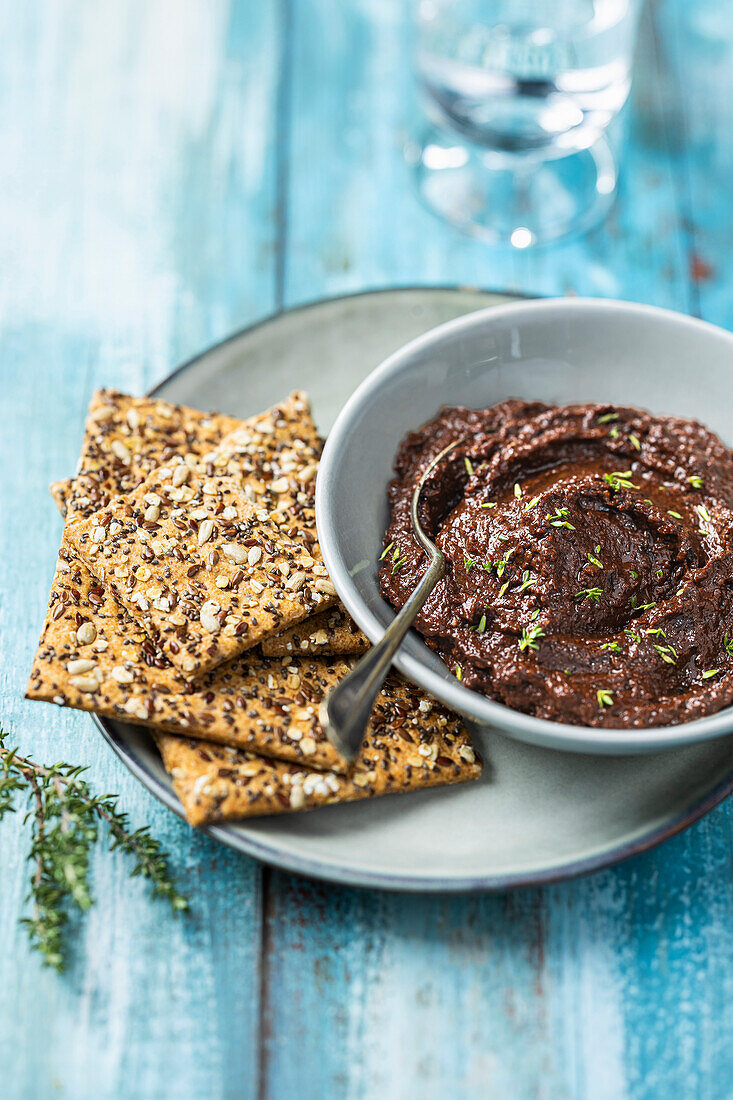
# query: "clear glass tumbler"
[[519, 94]]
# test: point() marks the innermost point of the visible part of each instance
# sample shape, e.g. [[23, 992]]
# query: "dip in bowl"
[[605, 359]]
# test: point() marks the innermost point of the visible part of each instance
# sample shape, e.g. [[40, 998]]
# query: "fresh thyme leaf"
[[530, 636], [469, 466], [605, 698], [592, 594], [386, 550], [65, 817], [668, 653], [710, 673], [527, 581], [557, 518], [607, 418], [594, 559], [695, 481], [620, 480]]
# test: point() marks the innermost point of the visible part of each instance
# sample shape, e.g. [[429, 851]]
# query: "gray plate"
[[536, 815]]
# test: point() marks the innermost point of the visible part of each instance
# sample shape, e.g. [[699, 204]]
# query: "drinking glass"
[[519, 94]]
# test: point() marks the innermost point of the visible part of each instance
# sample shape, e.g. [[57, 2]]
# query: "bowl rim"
[[471, 704]]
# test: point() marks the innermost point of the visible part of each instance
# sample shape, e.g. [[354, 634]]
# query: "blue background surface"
[[172, 170]]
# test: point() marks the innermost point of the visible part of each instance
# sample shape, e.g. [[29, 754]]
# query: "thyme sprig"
[[65, 817]]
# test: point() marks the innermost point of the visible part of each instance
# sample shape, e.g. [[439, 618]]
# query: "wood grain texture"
[[172, 171]]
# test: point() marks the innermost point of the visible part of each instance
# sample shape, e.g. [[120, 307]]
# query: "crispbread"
[[125, 438], [93, 657], [206, 573], [217, 783], [327, 633]]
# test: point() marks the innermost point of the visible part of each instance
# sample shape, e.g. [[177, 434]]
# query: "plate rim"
[[365, 879]]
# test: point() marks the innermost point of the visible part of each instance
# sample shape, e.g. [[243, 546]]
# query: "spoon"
[[345, 712]]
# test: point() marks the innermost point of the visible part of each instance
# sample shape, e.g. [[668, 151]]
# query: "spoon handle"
[[345, 712]]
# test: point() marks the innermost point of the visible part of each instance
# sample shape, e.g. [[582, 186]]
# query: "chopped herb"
[[607, 418], [676, 515], [605, 698], [710, 673], [634, 441], [594, 559], [620, 480], [482, 624], [641, 606], [530, 506], [469, 466], [614, 647], [527, 581], [592, 594], [517, 490], [668, 653], [386, 550], [530, 636], [557, 518], [695, 481]]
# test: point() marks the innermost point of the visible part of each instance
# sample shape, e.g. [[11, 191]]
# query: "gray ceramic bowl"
[[561, 351]]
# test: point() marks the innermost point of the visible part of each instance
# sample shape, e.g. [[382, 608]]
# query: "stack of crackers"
[[190, 597]]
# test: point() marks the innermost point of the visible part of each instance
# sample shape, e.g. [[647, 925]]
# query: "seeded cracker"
[[217, 784], [93, 657], [328, 633], [127, 437], [204, 572]]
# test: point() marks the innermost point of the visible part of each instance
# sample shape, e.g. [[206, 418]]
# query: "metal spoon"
[[344, 713]]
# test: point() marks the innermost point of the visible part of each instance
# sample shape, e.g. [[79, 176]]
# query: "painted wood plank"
[[137, 225]]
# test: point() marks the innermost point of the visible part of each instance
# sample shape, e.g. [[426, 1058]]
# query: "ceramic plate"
[[536, 815]]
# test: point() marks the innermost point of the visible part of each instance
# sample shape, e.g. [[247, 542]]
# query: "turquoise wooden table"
[[171, 172]]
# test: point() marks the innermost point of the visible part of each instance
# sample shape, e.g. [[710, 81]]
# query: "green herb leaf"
[[530, 636], [592, 594], [620, 480]]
